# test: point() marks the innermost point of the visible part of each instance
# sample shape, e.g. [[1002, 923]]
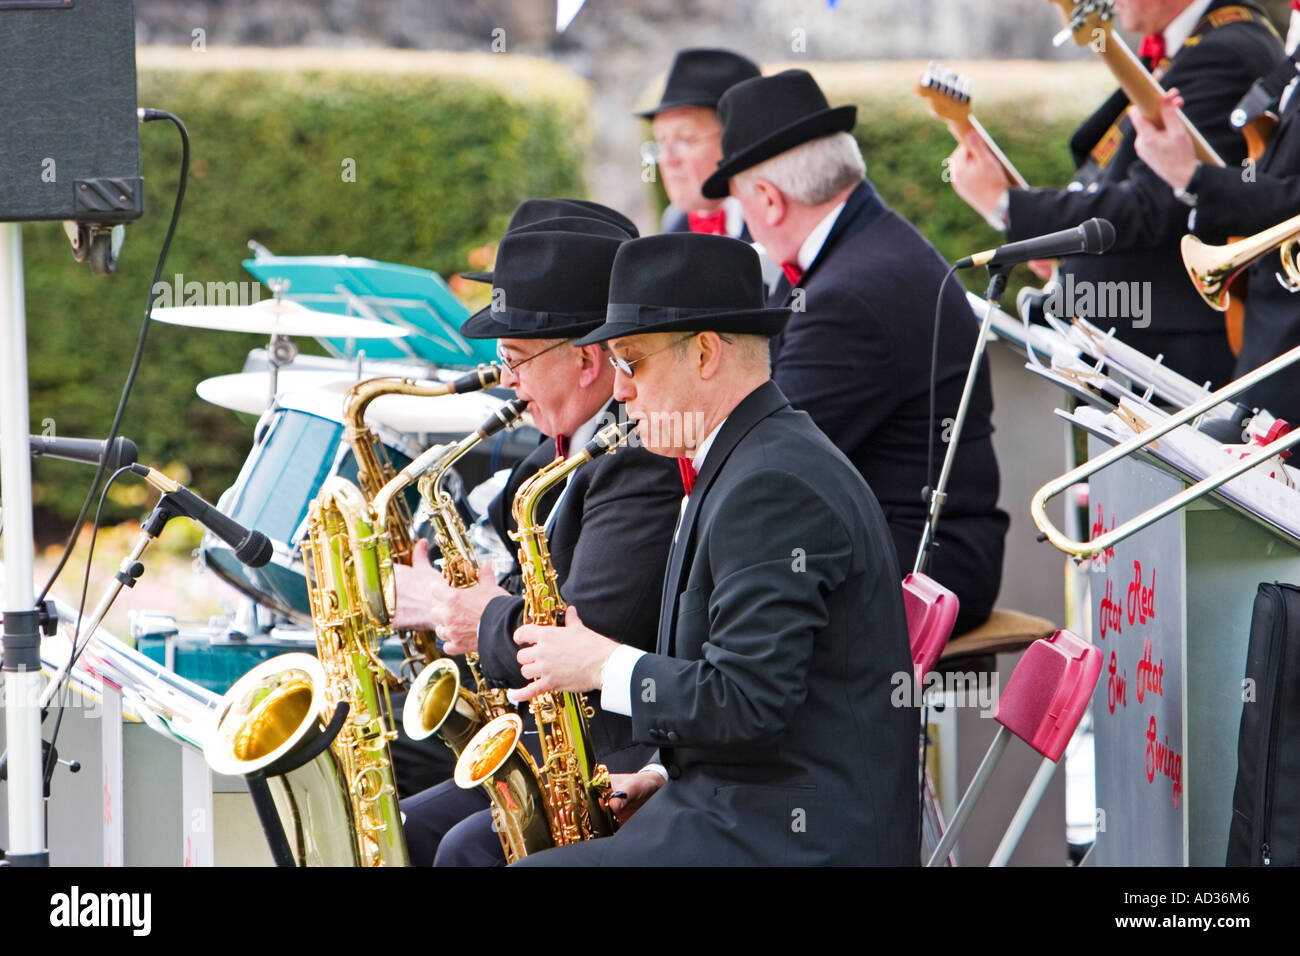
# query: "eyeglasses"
[[511, 366], [655, 150], [624, 366]]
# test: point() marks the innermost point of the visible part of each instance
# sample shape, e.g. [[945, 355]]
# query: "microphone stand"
[[127, 574], [938, 495]]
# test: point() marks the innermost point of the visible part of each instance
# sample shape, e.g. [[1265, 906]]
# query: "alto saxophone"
[[374, 471], [436, 702], [566, 799]]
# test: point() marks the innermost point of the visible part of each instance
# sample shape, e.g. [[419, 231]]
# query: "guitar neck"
[[1144, 91], [1013, 174]]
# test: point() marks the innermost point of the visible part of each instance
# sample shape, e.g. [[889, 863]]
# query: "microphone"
[[251, 547], [1089, 238], [116, 454]]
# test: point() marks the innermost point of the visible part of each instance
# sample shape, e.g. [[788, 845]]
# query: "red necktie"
[[1152, 49], [714, 223], [687, 468], [561, 446], [792, 272]]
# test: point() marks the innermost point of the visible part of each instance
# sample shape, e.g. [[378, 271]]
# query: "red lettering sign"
[[1141, 599], [1150, 677], [1098, 529], [1163, 759], [1117, 686], [1110, 614]]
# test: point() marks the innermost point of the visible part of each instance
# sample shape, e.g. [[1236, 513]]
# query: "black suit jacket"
[[857, 359], [1232, 204], [780, 628], [1213, 72], [609, 543]]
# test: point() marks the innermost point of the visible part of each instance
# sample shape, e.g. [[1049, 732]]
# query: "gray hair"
[[812, 172], [753, 350]]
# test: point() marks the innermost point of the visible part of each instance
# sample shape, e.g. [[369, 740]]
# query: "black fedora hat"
[[546, 285], [764, 117], [546, 214], [700, 77], [686, 282]]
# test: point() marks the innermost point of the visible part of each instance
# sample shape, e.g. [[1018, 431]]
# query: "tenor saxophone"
[[374, 470], [566, 799], [436, 702]]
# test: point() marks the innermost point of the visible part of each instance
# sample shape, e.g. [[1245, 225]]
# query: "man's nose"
[[624, 389]]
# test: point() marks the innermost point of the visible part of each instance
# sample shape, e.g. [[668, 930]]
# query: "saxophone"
[[374, 471], [436, 702], [566, 799], [311, 734], [314, 732]]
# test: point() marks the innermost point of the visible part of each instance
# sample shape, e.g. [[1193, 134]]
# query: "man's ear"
[[591, 364], [772, 202], [709, 355]]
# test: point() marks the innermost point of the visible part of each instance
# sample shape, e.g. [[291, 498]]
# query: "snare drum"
[[296, 451]]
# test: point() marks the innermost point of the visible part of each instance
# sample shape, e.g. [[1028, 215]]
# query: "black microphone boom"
[[251, 547], [116, 454], [1090, 238]]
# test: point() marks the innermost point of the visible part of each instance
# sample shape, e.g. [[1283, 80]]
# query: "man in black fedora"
[[687, 140], [421, 764], [549, 287], [781, 624], [862, 285]]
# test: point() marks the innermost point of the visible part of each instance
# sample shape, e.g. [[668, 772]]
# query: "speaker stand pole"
[[22, 643]]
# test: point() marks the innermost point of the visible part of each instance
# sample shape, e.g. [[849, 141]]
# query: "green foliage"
[[439, 164], [906, 150]]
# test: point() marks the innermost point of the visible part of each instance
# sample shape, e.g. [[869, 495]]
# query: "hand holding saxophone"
[[630, 790], [425, 601], [564, 658]]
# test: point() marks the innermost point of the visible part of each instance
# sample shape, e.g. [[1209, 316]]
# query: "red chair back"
[[1049, 690], [931, 610]]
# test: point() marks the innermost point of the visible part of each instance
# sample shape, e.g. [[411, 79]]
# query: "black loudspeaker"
[[69, 136]]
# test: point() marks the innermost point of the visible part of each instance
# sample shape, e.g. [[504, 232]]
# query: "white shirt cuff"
[[655, 768], [616, 686], [1001, 215]]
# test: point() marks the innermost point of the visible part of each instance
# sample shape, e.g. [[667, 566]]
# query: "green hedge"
[[440, 161]]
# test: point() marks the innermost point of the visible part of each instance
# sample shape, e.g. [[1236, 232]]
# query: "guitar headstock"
[[1087, 21], [946, 93]]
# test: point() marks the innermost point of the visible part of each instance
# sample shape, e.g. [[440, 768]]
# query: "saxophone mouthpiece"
[[485, 376], [609, 438], [507, 416]]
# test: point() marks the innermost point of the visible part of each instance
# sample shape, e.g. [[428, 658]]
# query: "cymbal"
[[276, 317], [411, 414], [249, 391]]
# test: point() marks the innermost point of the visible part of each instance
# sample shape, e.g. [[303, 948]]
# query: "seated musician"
[[781, 620], [862, 285], [609, 530], [1228, 204], [421, 764], [687, 143], [1213, 50]]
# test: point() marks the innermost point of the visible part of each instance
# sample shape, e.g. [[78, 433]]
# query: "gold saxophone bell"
[[269, 717], [438, 704], [496, 759], [1213, 268]]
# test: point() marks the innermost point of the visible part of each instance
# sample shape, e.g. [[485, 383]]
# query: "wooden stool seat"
[[1005, 632]]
